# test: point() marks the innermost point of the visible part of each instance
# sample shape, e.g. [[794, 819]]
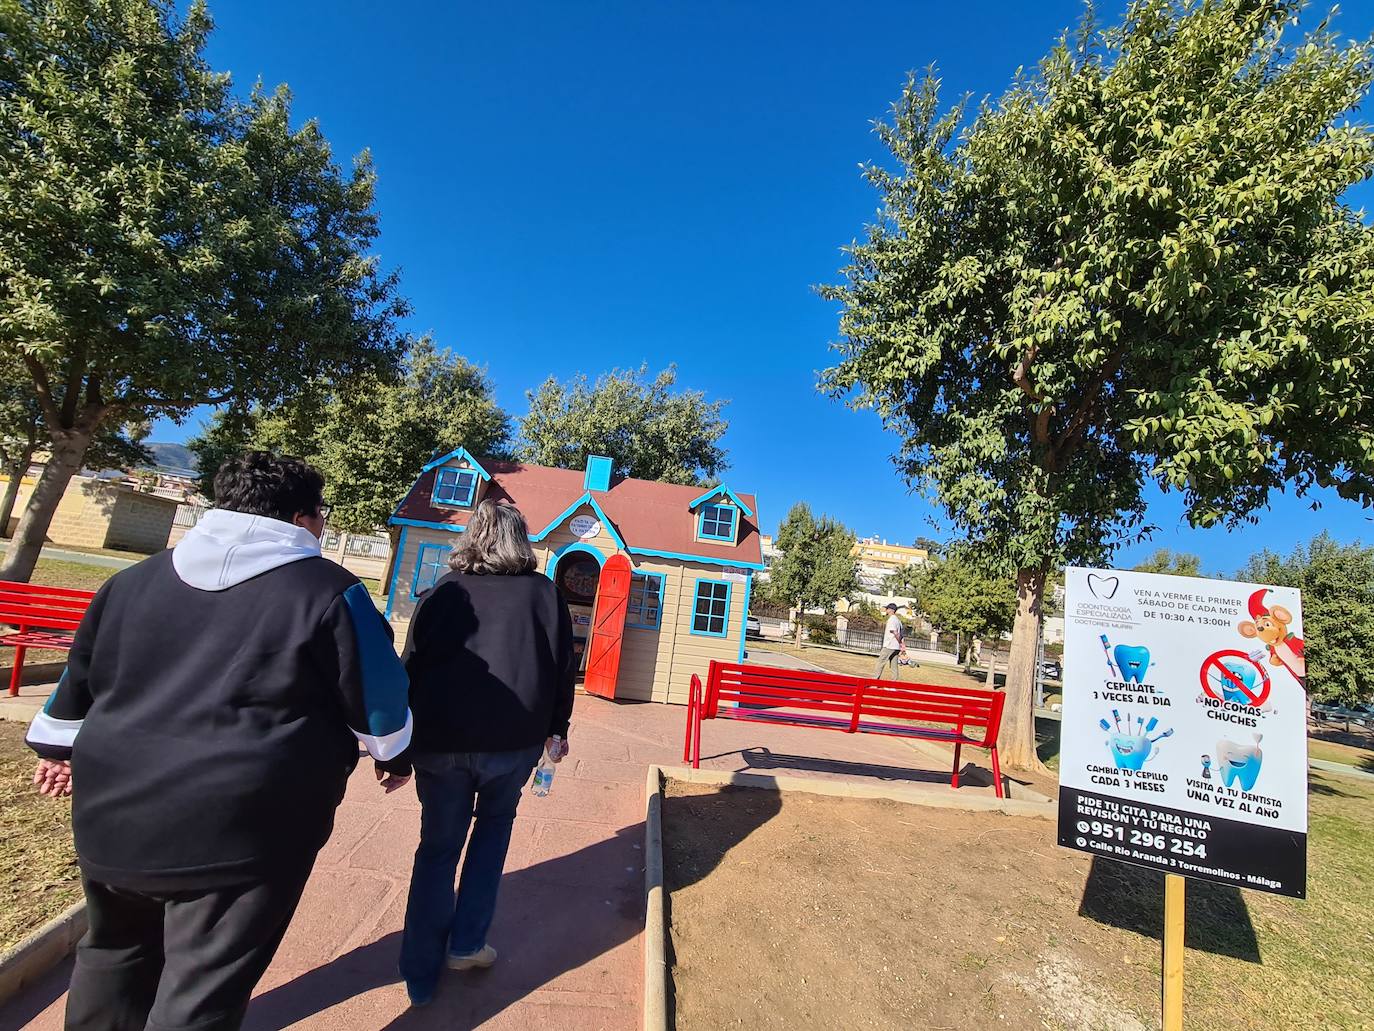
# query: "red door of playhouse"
[[608, 627]]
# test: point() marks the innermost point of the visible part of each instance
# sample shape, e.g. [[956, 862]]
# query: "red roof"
[[647, 515]]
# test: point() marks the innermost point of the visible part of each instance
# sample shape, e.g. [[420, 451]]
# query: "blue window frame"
[[711, 613], [455, 487], [430, 563], [646, 601], [717, 522]]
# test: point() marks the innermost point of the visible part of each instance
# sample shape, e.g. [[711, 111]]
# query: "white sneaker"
[[479, 960]]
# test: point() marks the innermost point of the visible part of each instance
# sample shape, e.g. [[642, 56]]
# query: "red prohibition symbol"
[[1214, 672]]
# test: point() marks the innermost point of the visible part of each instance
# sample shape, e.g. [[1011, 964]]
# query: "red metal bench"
[[43, 617], [829, 701]]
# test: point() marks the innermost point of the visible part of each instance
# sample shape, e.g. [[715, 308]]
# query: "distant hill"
[[172, 457]]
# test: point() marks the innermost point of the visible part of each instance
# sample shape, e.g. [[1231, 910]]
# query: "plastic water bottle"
[[543, 773]]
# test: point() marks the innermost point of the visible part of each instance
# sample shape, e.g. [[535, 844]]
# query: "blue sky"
[[569, 187]]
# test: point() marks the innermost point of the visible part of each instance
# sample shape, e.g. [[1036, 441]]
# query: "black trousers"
[[174, 961]]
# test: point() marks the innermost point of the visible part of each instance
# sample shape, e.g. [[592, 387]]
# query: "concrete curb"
[[1045, 810], [48, 946], [655, 908]]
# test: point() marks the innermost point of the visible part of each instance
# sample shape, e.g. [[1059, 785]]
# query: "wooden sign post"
[[1173, 952]]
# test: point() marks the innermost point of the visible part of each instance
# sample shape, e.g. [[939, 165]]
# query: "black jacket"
[[212, 728], [491, 664]]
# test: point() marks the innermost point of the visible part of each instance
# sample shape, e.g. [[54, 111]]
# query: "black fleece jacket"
[[491, 665], [212, 732]]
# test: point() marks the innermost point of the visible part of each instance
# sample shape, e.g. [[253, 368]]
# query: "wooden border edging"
[[655, 893], [655, 905], [48, 946]]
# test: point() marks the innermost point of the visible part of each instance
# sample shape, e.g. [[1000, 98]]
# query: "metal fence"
[[359, 545], [188, 515]]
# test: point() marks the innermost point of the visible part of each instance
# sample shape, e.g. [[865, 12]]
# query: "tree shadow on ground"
[[1132, 898], [553, 918], [699, 830]]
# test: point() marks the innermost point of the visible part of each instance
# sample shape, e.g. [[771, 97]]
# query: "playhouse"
[[657, 576]]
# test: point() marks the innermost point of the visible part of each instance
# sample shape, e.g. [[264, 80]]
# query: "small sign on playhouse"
[[1184, 742]]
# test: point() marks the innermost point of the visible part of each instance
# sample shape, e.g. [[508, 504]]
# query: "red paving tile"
[[570, 918]]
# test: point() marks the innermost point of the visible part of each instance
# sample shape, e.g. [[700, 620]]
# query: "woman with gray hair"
[[490, 658]]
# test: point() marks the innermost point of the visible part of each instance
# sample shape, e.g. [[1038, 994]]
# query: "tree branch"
[[43, 388], [71, 398], [1021, 376], [1078, 422]]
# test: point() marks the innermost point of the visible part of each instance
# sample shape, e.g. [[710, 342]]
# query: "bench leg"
[[691, 713], [954, 779], [17, 673], [996, 772], [696, 742]]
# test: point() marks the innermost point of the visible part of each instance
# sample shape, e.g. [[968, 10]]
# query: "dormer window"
[[455, 487], [717, 523]]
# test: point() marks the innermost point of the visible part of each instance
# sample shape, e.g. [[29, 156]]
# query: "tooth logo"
[[1240, 763], [1132, 661], [1103, 587]]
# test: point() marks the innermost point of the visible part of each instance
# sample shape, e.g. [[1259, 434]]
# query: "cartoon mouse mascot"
[[1271, 626]]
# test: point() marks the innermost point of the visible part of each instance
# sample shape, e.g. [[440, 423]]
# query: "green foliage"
[[1175, 563], [371, 435], [820, 629], [1337, 584], [865, 615], [648, 430], [1134, 265], [164, 243], [960, 594], [817, 567]]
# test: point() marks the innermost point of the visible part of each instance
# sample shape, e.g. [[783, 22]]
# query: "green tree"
[[1337, 584], [369, 436], [648, 430], [817, 565], [1175, 563], [165, 244], [960, 595], [1135, 265]]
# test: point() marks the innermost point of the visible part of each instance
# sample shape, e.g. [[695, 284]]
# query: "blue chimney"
[[598, 475]]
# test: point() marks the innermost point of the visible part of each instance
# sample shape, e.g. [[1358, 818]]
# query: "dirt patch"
[[798, 910], [38, 874]]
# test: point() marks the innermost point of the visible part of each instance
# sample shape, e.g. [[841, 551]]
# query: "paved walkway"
[[571, 914]]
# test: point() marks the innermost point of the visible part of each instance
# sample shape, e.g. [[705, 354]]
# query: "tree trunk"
[[1017, 740], [16, 474], [801, 613], [68, 449], [992, 670]]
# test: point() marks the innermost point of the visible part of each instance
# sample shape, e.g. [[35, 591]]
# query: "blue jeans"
[[451, 787]]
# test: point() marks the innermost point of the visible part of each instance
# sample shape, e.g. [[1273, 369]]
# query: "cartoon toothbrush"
[[1106, 647], [1150, 727], [1116, 718]]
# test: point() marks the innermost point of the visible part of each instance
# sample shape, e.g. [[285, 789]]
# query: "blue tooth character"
[[1129, 751], [1132, 660], [1246, 673], [1240, 763]]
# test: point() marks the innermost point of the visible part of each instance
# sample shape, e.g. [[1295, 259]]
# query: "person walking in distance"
[[894, 645], [208, 720], [492, 674]]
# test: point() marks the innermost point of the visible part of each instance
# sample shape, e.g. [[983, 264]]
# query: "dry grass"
[[38, 875], [858, 665]]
